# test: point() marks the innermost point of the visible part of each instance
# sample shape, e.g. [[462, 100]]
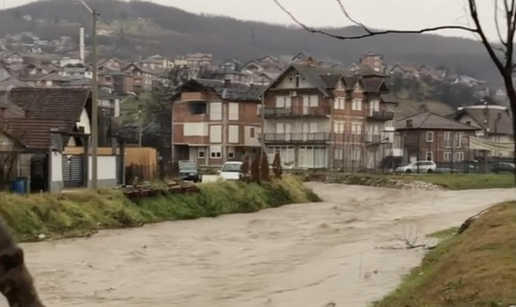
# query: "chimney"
[[81, 44], [409, 123]]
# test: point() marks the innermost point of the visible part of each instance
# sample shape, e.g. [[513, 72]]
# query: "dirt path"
[[295, 256]]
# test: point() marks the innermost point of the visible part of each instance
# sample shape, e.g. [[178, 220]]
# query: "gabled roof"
[[431, 121], [500, 121], [64, 103], [50, 108]]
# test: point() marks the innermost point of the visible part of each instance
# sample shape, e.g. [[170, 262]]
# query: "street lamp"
[[94, 101]]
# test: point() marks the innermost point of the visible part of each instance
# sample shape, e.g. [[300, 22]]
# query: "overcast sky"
[[391, 14]]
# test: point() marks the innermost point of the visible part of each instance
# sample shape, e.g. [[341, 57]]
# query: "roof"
[[51, 108], [431, 121], [233, 91], [64, 103], [503, 125], [34, 133]]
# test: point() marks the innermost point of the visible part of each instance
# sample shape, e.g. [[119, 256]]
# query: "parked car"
[[189, 171], [231, 170], [417, 166], [503, 167]]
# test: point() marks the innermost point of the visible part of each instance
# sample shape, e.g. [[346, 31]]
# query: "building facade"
[[318, 118], [215, 121]]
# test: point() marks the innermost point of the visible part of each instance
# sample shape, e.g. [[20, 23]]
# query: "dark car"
[[503, 167], [189, 171]]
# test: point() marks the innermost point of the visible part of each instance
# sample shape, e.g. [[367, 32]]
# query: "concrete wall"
[[55, 165], [106, 174]]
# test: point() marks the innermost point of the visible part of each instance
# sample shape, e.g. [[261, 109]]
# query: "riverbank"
[[426, 182], [40, 216], [474, 267]]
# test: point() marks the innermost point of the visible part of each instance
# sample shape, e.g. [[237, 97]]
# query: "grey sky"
[[392, 14]]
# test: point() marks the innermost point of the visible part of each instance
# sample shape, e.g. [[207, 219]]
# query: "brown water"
[[296, 256]]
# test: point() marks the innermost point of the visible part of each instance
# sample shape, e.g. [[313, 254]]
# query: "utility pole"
[[94, 108], [140, 125], [94, 102]]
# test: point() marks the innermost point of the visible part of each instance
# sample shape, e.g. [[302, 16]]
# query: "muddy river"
[[304, 255]]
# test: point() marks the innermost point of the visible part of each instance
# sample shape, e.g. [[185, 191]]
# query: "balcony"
[[297, 112], [381, 115], [297, 138]]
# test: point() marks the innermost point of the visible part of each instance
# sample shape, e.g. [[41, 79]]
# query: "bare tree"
[[501, 53]]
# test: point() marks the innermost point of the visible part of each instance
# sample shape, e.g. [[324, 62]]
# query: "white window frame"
[[313, 101], [447, 156], [448, 137], [201, 153], [430, 136], [459, 156], [215, 154], [355, 130], [356, 104], [458, 139]]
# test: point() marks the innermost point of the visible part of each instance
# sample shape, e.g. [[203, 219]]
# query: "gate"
[[73, 171]]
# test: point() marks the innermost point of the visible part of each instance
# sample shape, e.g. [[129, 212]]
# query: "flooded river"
[[304, 255]]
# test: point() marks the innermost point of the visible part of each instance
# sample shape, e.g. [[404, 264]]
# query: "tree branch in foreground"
[[368, 31]]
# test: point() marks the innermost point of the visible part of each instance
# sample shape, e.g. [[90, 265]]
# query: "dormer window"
[[296, 77]]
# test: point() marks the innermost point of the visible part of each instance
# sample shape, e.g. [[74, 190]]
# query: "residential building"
[[216, 121], [76, 71], [491, 121], [5, 72], [433, 137], [319, 117], [141, 77], [113, 63], [13, 58], [198, 59], [37, 123]]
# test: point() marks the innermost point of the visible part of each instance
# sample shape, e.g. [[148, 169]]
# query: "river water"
[[304, 255]]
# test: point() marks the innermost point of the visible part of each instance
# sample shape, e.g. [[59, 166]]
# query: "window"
[[356, 128], [297, 80], [216, 111], [201, 153], [375, 105], [259, 110], [251, 133], [198, 108], [430, 136], [339, 103], [314, 101], [338, 127], [215, 152], [233, 111], [459, 156], [447, 156], [447, 139], [282, 102], [429, 156], [231, 152], [356, 104], [458, 139], [468, 123]]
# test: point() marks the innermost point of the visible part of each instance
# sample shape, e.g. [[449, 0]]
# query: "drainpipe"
[[225, 125]]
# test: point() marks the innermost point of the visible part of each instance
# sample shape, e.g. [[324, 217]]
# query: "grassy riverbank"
[[474, 268], [447, 181], [463, 181], [80, 213]]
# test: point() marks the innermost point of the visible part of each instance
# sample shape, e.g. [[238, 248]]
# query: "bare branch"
[[368, 31]]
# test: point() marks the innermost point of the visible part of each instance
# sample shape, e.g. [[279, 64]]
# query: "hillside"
[[150, 28]]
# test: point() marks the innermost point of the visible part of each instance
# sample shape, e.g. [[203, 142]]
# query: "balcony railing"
[[381, 115], [317, 137], [286, 112]]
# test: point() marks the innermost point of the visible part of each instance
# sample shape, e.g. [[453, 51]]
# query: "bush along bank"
[[474, 267], [82, 213]]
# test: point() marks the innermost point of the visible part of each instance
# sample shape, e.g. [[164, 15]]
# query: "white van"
[[230, 170]]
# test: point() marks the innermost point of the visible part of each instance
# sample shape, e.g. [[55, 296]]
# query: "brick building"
[[215, 121], [319, 117]]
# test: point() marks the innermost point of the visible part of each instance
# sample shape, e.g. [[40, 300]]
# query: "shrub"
[[255, 169], [277, 169], [244, 169], [264, 168]]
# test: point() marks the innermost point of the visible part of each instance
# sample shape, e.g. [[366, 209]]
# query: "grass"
[[474, 268], [444, 234], [448, 181], [80, 213], [463, 181]]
